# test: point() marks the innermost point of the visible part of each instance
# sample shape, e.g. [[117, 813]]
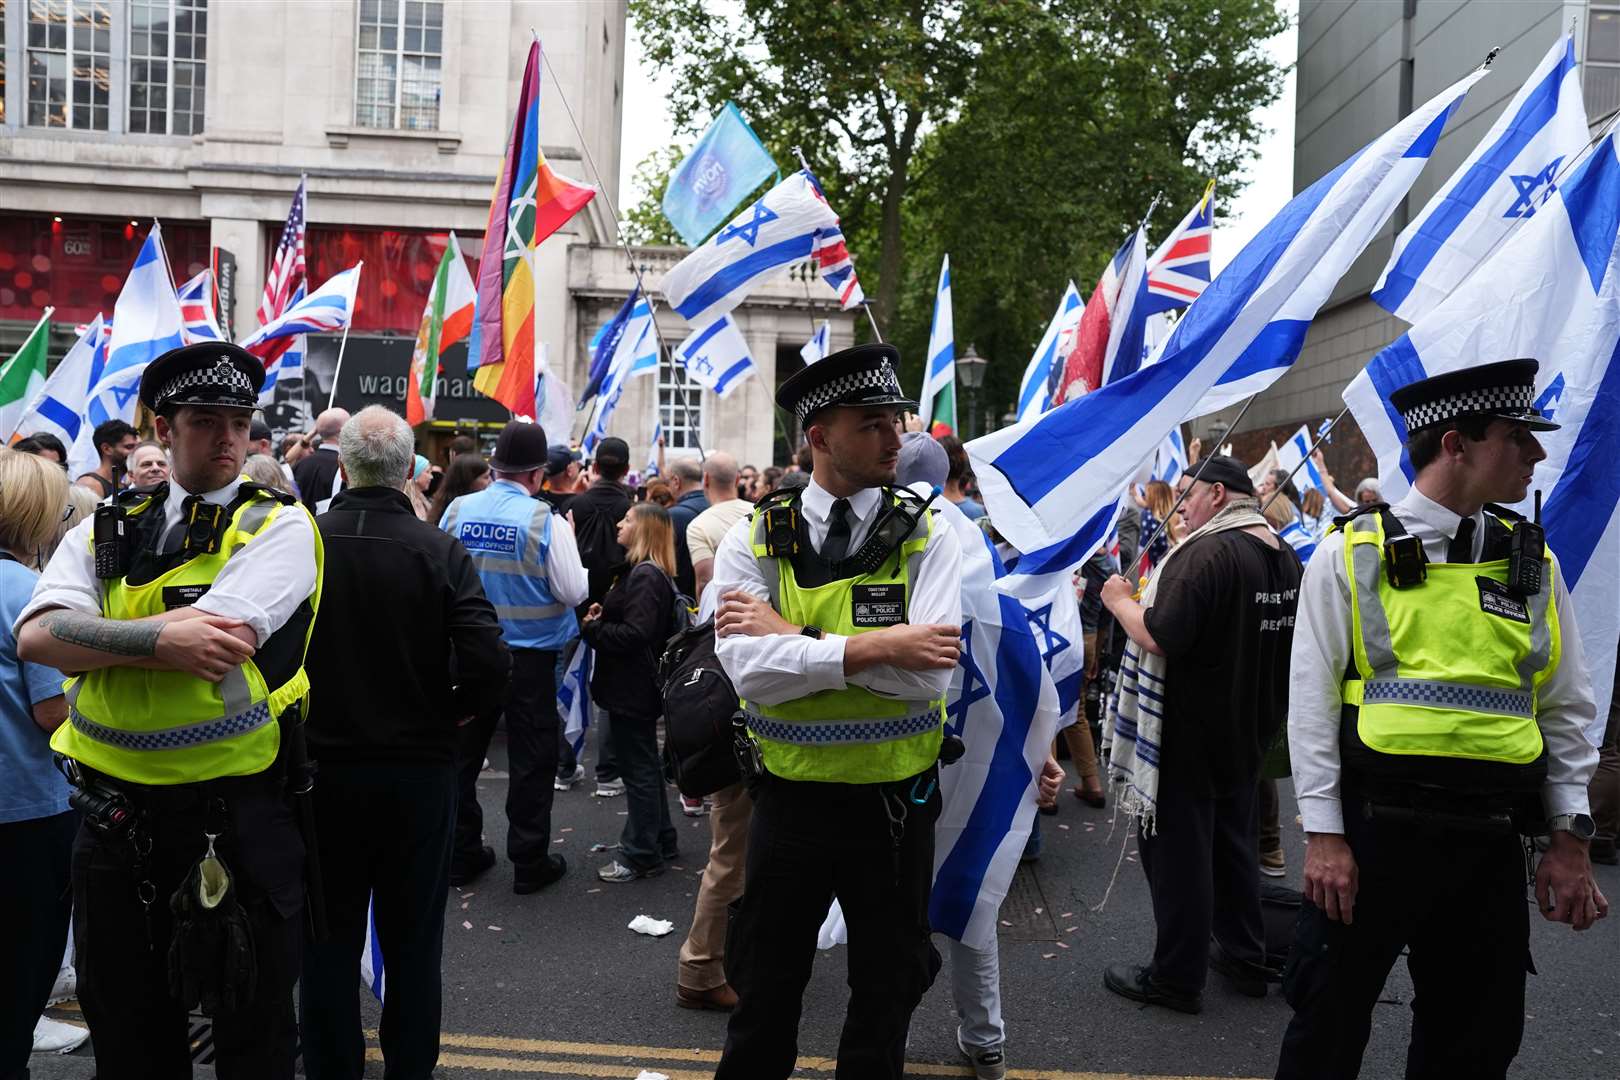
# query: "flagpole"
[[613, 214], [28, 407], [336, 371], [1196, 474], [1321, 438]]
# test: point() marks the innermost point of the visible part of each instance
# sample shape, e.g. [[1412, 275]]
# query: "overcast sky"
[[647, 126]]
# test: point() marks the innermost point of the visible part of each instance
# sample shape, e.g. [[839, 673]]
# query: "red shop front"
[[78, 264]]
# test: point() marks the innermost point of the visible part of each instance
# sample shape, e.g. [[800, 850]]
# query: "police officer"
[[530, 567], [1436, 712], [839, 624], [185, 609]]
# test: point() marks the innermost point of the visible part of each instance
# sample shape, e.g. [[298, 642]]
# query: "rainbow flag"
[[530, 203]]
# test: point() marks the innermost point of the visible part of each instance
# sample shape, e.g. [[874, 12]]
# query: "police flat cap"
[[1505, 389], [862, 377], [208, 373]]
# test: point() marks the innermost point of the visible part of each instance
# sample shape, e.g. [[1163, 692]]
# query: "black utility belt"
[[1423, 807], [186, 798]]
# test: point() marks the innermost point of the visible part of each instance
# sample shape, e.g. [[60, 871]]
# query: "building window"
[[168, 53], [69, 63], [680, 406], [1602, 61], [399, 64]]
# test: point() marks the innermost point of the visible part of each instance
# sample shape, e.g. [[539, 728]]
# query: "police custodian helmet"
[[862, 377], [208, 373]]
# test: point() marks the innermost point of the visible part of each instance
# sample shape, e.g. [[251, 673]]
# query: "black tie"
[[1462, 545], [837, 544], [175, 537]]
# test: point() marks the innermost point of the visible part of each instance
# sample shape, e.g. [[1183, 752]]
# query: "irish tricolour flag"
[[446, 320], [23, 377]]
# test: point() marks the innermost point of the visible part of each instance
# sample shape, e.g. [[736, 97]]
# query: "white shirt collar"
[[178, 494], [817, 503], [1434, 515], [332, 446]]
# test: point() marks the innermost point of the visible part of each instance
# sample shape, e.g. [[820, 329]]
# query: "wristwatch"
[[1580, 826], [815, 632]]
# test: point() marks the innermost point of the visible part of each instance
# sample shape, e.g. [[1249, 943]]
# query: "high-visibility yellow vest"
[[1451, 667], [849, 736], [170, 727]]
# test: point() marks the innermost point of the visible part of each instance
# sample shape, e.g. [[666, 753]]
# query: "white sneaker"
[[693, 807], [66, 987], [607, 789], [989, 1063], [55, 1037], [566, 783]]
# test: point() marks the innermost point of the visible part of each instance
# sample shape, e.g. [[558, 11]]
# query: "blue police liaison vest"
[[508, 533]]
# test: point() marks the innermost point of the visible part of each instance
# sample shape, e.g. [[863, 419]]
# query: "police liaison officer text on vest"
[[839, 624]]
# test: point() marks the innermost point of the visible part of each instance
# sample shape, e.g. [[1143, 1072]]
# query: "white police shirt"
[[1322, 650], [781, 667], [262, 591]]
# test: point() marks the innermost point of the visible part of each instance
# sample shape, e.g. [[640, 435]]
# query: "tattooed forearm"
[[103, 635]]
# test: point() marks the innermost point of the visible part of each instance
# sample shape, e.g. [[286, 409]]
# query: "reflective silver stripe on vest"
[[489, 564], [537, 524], [1477, 699], [512, 612], [175, 738], [252, 518], [842, 732], [1375, 637], [1540, 633]]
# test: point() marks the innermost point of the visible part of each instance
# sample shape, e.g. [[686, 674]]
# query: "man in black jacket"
[[406, 649], [316, 474]]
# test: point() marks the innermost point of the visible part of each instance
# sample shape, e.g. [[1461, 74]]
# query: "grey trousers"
[[976, 985]]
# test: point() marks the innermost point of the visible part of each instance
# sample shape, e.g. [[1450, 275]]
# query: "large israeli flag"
[[146, 324], [717, 356], [61, 403], [1127, 322], [937, 404], [1551, 292], [777, 230], [1510, 173], [1053, 483], [1035, 388]]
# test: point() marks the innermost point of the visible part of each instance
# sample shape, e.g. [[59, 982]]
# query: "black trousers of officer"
[[384, 831], [139, 1030], [1456, 899], [531, 748], [808, 843]]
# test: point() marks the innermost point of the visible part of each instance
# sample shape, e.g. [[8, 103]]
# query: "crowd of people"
[[162, 800]]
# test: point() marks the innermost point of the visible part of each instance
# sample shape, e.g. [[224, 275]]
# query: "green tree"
[[645, 222]]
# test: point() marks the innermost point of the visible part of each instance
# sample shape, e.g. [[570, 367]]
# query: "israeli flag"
[[637, 354], [60, 406], [1035, 388], [1300, 539], [727, 163], [1127, 322], [652, 454], [574, 697], [1552, 292], [146, 324], [371, 957], [819, 345], [779, 229], [1296, 452], [1170, 460], [717, 356], [1052, 483], [937, 403], [605, 343], [1509, 175]]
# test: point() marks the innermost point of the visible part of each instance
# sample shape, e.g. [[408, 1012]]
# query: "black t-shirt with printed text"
[[1224, 616]]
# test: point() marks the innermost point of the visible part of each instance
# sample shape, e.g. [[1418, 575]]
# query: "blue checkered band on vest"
[[1483, 400], [173, 738], [1448, 695], [834, 732]]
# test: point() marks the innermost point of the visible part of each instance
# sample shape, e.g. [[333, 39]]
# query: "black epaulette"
[[781, 496], [1344, 519], [1504, 513], [249, 489], [138, 498]]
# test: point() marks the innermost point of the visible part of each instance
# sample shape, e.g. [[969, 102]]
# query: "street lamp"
[[970, 373]]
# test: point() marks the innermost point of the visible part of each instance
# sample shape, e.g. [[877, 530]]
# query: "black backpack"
[[699, 703]]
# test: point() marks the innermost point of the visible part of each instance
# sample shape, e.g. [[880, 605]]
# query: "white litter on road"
[[641, 924]]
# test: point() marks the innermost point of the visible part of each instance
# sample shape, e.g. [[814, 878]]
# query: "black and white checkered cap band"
[[224, 379], [1483, 400], [834, 390]]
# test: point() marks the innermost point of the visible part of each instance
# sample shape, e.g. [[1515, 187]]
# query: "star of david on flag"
[[1534, 189], [748, 231]]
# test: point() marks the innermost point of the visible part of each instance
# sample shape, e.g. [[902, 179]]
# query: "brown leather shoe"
[[720, 999]]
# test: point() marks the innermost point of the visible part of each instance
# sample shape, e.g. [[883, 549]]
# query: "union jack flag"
[[1178, 273], [327, 310], [832, 259], [197, 310]]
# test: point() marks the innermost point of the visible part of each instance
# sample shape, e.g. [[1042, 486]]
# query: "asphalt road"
[[554, 984]]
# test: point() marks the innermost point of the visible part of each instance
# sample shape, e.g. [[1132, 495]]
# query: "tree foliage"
[[645, 222], [1024, 137]]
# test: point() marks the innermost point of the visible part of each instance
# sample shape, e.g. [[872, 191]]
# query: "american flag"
[[197, 310], [832, 258], [287, 271]]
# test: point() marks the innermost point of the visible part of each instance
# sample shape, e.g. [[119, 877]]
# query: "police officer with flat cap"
[[1436, 711], [839, 624], [184, 611]]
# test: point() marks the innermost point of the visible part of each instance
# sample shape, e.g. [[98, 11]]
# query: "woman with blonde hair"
[[81, 503], [627, 630], [36, 826], [1156, 501]]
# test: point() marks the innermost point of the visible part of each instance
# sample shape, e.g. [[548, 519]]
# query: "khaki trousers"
[[703, 954]]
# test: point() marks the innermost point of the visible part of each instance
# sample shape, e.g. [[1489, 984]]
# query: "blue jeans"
[[649, 837]]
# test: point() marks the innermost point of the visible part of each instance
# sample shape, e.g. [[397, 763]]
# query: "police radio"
[[1526, 550], [109, 532]]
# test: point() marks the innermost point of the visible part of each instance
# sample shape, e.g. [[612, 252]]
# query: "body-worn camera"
[[782, 531], [1405, 562]]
